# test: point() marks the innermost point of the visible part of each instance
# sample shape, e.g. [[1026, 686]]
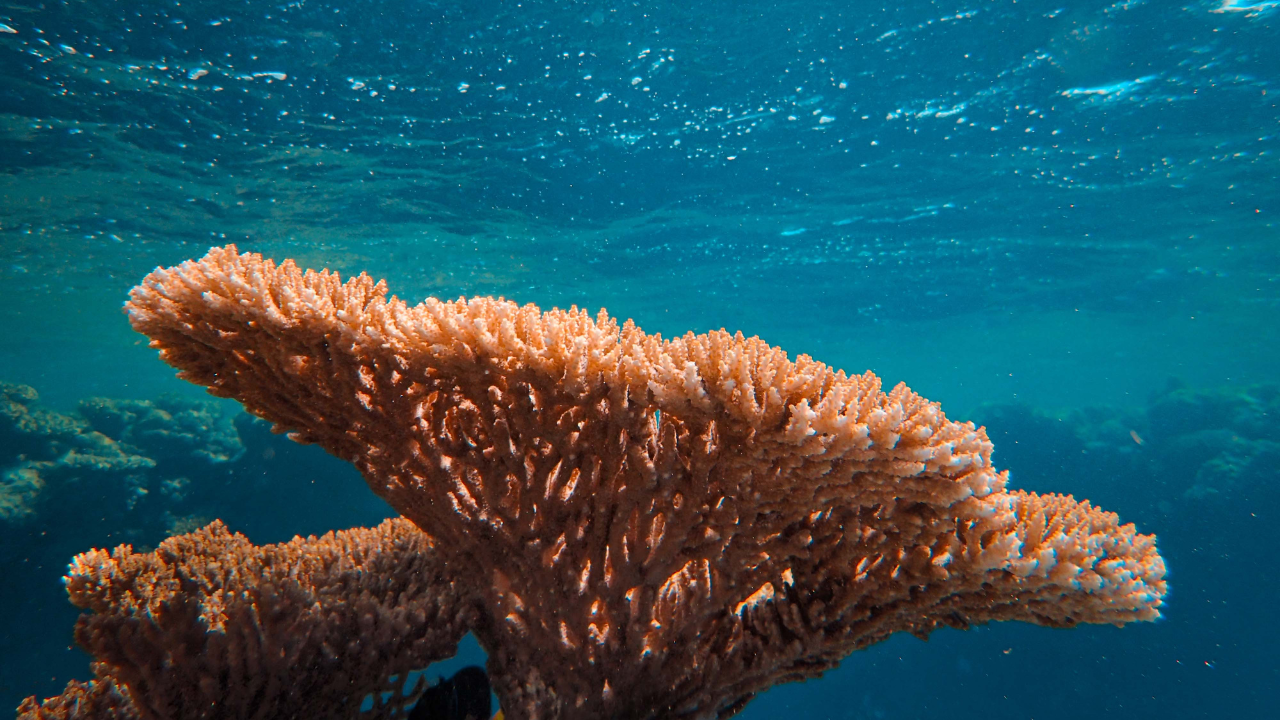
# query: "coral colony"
[[633, 527]]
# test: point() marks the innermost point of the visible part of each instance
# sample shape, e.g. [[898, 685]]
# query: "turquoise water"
[[1036, 213]]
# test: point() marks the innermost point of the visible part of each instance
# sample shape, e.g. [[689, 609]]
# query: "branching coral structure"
[[654, 527], [210, 625]]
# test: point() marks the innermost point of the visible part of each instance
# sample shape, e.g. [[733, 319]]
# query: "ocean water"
[[1057, 219]]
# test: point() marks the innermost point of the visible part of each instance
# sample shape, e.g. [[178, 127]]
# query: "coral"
[[19, 488], [211, 626], [661, 527], [22, 418], [110, 453], [113, 471], [167, 427], [50, 451], [99, 699], [1187, 445], [1179, 410]]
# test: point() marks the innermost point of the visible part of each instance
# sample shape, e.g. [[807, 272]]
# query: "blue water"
[[1037, 213]]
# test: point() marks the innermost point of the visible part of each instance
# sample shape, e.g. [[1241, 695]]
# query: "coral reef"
[[111, 454], [663, 528], [165, 428], [48, 455]]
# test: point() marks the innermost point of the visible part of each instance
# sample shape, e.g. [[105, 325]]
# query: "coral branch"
[[98, 699], [211, 626]]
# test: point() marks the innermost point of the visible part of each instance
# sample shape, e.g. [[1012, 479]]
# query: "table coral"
[[656, 528]]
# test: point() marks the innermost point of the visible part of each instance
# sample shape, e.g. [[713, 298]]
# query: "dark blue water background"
[[1057, 205]]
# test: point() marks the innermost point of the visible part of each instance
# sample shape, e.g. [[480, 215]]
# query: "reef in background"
[[126, 464], [1193, 452]]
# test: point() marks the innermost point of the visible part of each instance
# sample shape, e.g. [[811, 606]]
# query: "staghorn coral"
[[666, 527], [211, 626]]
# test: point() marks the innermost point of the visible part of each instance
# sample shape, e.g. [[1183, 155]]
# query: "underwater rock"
[[1203, 465], [19, 488], [66, 484], [1237, 471], [111, 454], [23, 422], [1210, 442]]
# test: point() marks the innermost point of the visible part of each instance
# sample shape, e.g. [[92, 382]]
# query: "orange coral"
[[98, 699], [211, 626], [665, 527]]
